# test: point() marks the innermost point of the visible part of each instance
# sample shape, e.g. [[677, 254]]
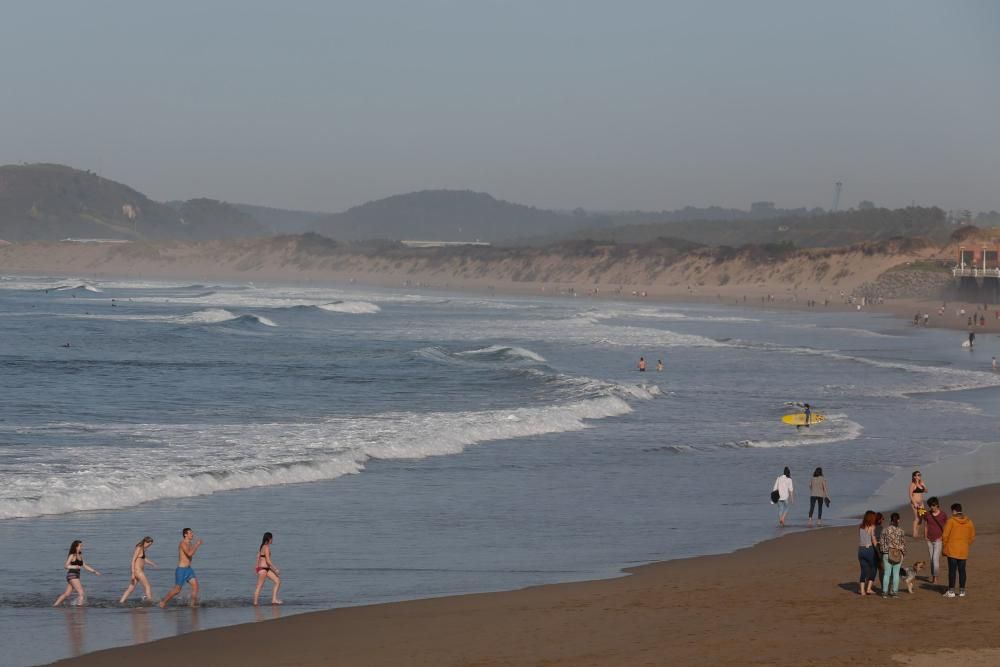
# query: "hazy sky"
[[606, 105]]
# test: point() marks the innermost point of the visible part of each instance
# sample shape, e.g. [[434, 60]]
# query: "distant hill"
[[53, 201], [819, 230], [280, 220], [212, 219], [442, 215]]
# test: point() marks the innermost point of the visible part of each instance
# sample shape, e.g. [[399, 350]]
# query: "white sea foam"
[[199, 459], [207, 316], [509, 351], [353, 307], [836, 428]]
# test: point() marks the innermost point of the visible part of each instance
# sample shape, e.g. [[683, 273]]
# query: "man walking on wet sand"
[[184, 574]]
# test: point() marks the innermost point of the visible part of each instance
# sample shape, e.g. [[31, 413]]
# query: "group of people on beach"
[[183, 574], [882, 548]]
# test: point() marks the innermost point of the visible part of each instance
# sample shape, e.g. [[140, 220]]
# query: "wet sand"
[[787, 601]]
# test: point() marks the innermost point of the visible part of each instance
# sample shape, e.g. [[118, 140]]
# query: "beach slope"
[[788, 601]]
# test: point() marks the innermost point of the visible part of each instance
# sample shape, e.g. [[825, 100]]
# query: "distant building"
[[762, 207], [441, 244]]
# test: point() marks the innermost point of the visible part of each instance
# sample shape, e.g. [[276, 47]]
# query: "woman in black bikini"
[[917, 491], [138, 567], [266, 569], [74, 563]]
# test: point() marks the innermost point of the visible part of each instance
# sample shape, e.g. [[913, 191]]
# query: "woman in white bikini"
[[138, 568], [266, 569]]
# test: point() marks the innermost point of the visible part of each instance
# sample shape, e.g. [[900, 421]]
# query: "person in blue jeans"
[[866, 554], [893, 539]]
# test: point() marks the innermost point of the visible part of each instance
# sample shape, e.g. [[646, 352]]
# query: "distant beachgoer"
[[817, 495], [934, 521], [892, 547], [866, 553], [73, 565], [972, 339], [927, 316], [642, 364], [982, 320], [266, 569], [184, 573], [916, 492], [659, 365], [138, 570], [994, 362], [786, 493], [916, 319], [879, 520], [959, 534], [969, 321]]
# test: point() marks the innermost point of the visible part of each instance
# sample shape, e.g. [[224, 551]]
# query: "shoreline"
[[789, 600]]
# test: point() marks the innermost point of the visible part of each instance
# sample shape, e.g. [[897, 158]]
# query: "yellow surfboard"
[[799, 419]]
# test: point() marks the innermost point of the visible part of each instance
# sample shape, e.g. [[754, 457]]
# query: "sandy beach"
[[786, 601]]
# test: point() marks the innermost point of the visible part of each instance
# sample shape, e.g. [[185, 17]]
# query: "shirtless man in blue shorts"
[[184, 574]]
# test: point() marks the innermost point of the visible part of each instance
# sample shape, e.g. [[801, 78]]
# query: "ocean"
[[403, 444]]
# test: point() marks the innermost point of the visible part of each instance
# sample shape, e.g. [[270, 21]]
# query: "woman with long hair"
[[866, 554], [74, 564], [266, 569], [817, 495], [916, 493], [138, 569]]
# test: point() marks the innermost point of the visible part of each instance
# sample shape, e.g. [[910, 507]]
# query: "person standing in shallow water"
[[184, 573], [642, 364], [74, 564], [266, 569], [138, 568], [817, 495], [786, 493]]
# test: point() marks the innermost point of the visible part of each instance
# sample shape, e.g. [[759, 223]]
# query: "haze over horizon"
[[639, 105]]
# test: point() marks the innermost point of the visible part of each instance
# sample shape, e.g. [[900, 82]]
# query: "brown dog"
[[910, 573]]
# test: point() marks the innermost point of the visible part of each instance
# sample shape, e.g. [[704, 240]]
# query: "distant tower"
[[837, 189]]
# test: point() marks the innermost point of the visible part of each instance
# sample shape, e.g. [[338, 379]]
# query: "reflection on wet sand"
[[76, 629], [260, 615], [140, 625], [187, 620]]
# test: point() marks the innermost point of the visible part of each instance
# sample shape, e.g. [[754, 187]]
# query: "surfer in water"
[[807, 411]]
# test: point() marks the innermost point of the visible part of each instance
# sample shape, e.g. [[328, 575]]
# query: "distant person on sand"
[[817, 495], [138, 570], [972, 339], [184, 573], [866, 553], [642, 364], [266, 569], [786, 492], [74, 564], [959, 534], [916, 492], [934, 521], [879, 520], [893, 548], [994, 363], [659, 365]]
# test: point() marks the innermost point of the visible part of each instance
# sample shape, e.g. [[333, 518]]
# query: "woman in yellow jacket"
[[959, 534]]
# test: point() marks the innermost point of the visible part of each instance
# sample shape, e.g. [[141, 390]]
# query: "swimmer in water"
[[642, 365], [659, 365]]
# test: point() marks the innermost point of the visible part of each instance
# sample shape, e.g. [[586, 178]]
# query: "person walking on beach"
[[934, 521], [866, 553], [893, 548], [138, 570], [817, 495], [73, 565], [786, 493], [959, 534], [266, 569], [916, 492], [184, 573]]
